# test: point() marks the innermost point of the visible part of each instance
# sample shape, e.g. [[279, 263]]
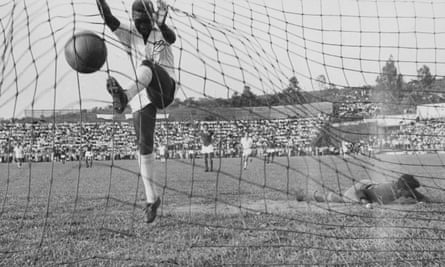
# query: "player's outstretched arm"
[[161, 15], [415, 195], [421, 197], [168, 34], [105, 12]]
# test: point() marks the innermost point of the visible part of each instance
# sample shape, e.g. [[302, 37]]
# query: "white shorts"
[[247, 152], [207, 149]]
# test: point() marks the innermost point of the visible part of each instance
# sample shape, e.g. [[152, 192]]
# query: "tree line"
[[390, 91]]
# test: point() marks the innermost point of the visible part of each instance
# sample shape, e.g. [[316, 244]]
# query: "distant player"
[[19, 155], [402, 191], [163, 152], [191, 151], [344, 148], [89, 156], [246, 146], [270, 150], [290, 146], [207, 146], [148, 40], [63, 155]]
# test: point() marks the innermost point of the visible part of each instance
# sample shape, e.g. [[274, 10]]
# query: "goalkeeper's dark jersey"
[[386, 193], [206, 138]]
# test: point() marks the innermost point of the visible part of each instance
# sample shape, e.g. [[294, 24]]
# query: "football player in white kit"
[[148, 42], [246, 144]]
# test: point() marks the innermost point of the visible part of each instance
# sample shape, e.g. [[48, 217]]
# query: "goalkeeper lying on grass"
[[402, 191]]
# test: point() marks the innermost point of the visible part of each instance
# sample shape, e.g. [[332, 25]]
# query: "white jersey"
[[18, 151], [246, 142], [156, 49]]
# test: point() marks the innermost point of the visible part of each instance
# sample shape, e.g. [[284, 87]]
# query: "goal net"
[[338, 96]]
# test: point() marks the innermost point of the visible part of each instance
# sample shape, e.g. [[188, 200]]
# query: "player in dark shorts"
[[402, 191], [207, 146], [154, 85]]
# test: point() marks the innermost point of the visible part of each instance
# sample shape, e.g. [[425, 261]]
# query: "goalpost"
[[338, 82]]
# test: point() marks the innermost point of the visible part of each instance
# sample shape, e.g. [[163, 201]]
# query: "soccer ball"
[[85, 52]]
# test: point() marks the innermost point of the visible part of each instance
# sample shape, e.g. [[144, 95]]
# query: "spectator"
[[117, 138]]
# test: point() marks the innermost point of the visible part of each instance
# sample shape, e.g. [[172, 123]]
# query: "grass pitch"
[[66, 214]]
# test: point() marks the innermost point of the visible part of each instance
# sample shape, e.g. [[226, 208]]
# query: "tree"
[[294, 83], [221, 102], [321, 82], [236, 99], [399, 83], [388, 78], [424, 77], [189, 102], [247, 92], [292, 94], [247, 97]]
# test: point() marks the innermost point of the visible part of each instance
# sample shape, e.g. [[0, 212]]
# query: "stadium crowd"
[[294, 137], [422, 136], [70, 141], [355, 103]]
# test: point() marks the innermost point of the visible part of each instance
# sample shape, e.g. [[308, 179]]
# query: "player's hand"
[[161, 14], [162, 4]]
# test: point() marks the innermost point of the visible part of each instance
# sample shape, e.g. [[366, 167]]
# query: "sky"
[[222, 46]]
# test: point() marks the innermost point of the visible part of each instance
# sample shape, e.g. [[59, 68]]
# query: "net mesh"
[[333, 92]]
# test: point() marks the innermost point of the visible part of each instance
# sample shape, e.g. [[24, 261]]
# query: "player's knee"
[[144, 75], [160, 86]]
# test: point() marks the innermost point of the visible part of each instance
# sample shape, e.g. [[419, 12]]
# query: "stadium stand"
[[276, 127], [47, 141]]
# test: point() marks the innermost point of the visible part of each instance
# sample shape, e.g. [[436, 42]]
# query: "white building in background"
[[393, 120], [39, 113], [431, 111]]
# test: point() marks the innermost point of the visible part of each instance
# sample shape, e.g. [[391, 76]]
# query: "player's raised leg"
[[152, 85], [121, 96]]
